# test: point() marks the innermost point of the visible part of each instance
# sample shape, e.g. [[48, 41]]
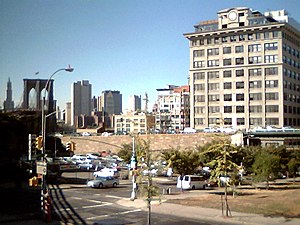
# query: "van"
[[191, 182]]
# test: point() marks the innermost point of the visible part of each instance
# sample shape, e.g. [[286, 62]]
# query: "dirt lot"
[[279, 200]]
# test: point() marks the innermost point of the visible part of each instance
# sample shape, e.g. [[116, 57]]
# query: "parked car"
[[86, 166], [100, 182], [191, 182], [106, 172]]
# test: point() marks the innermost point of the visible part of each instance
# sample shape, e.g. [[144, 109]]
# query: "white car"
[[106, 172], [100, 182]]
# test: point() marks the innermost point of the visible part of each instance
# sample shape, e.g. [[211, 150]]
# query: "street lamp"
[[43, 183]]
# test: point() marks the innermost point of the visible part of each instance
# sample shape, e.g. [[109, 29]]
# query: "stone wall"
[[158, 142]]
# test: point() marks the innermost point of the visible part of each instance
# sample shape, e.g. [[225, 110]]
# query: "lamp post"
[[133, 167], [43, 181]]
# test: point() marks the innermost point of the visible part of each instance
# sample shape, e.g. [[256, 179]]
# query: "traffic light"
[[68, 146], [39, 142], [73, 146]]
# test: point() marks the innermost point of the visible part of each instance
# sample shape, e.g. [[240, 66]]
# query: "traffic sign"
[[41, 168]]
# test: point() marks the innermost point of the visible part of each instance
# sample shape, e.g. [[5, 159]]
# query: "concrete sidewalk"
[[205, 214]]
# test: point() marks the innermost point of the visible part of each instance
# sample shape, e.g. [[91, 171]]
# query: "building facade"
[[8, 104], [110, 103], [135, 123], [134, 103], [173, 109], [81, 95], [245, 70]]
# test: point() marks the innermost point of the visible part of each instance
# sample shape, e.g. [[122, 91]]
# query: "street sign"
[[41, 168]]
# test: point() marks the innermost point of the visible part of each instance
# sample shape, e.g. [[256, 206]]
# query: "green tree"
[[222, 164], [126, 152], [266, 166], [183, 162], [148, 190]]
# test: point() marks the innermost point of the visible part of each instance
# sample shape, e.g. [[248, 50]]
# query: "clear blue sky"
[[134, 46]]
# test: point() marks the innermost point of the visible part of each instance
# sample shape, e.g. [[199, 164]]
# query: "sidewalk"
[[204, 214]]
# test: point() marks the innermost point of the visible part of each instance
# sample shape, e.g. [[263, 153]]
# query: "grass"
[[279, 200]]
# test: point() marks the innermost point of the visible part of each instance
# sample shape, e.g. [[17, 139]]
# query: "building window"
[[267, 35], [199, 64], [199, 76], [198, 53], [227, 121], [275, 34], [239, 73], [272, 121], [271, 58], [212, 63], [250, 37], [213, 86], [227, 109], [199, 98], [227, 85], [225, 38], [233, 38], [213, 51], [254, 59], [213, 109], [227, 97], [240, 109], [254, 72], [254, 48], [271, 83], [213, 98], [271, 71], [271, 46], [199, 121], [213, 75], [240, 85], [255, 108], [199, 110], [272, 108], [212, 121], [255, 84], [242, 37], [216, 40], [227, 73], [257, 36], [255, 96], [226, 50], [240, 97], [240, 121], [199, 87], [272, 96], [239, 61], [256, 121], [227, 62], [239, 49]]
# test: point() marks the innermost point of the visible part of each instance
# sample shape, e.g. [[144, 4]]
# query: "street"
[[79, 204]]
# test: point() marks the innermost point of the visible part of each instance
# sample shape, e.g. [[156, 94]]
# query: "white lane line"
[[113, 214], [112, 196], [94, 206]]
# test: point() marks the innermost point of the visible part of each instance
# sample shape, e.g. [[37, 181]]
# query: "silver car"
[[100, 182]]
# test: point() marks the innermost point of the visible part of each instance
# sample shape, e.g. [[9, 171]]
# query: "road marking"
[[113, 214], [112, 196], [94, 206]]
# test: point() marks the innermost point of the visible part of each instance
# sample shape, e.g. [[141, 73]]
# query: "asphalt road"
[[79, 204]]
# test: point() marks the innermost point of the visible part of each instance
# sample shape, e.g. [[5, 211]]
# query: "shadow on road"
[[62, 209]]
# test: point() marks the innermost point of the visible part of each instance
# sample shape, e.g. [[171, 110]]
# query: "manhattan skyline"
[[133, 46]]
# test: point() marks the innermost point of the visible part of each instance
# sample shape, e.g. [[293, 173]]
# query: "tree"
[[222, 164], [144, 158], [182, 162], [266, 166], [126, 152]]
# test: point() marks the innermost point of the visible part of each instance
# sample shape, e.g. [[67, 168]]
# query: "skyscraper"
[[110, 104], [134, 103], [81, 99], [8, 104], [245, 70]]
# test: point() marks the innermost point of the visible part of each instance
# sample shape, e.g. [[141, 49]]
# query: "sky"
[[133, 46]]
